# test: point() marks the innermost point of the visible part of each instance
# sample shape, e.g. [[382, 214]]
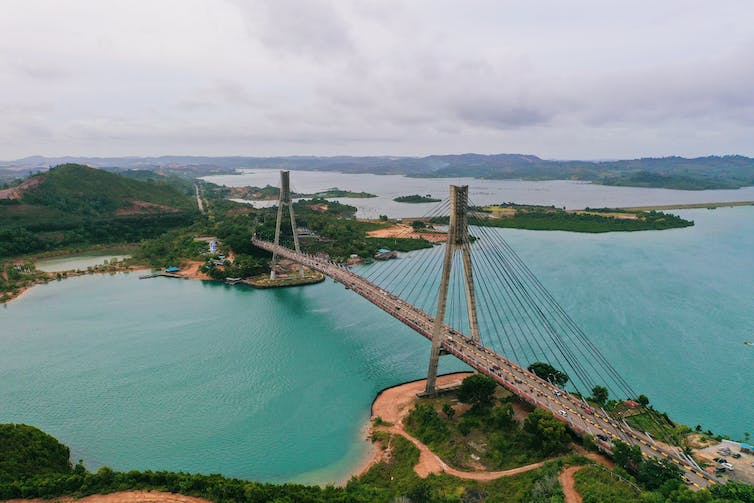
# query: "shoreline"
[[69, 274], [391, 404], [690, 206]]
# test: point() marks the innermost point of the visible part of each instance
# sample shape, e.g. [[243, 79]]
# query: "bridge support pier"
[[458, 240], [284, 199]]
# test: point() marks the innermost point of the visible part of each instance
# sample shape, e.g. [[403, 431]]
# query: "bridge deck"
[[513, 377]]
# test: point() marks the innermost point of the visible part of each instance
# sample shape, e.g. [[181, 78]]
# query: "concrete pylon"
[[284, 199], [458, 240]]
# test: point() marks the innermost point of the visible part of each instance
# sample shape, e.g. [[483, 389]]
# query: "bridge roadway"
[[513, 377]]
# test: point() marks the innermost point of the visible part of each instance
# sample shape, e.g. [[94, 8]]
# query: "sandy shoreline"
[[391, 405]]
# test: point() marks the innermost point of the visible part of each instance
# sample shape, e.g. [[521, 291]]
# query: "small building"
[[305, 232], [747, 448], [172, 269], [213, 246]]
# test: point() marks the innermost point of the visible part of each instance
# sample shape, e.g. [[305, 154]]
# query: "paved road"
[[199, 201], [518, 380]]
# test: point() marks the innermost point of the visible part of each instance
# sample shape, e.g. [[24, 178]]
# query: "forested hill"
[[711, 172], [77, 205], [81, 190]]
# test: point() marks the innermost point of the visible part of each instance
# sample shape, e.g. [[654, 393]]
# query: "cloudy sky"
[[579, 79]]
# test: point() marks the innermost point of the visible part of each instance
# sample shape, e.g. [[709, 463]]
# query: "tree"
[[501, 417], [477, 390], [546, 433], [418, 225], [448, 410], [643, 400], [424, 422], [653, 473], [383, 218], [626, 456], [548, 372], [599, 394], [733, 491]]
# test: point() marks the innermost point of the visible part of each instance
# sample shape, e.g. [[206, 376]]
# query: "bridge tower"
[[458, 240], [284, 199]]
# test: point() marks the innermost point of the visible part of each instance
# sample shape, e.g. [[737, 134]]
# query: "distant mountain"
[[78, 205], [712, 172]]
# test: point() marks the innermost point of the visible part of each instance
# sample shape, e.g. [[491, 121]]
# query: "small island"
[[416, 198], [550, 218]]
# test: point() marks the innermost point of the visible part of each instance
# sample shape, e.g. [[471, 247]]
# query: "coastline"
[[689, 206], [69, 274], [391, 404], [191, 271]]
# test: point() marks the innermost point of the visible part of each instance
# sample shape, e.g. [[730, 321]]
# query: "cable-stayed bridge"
[[512, 320]]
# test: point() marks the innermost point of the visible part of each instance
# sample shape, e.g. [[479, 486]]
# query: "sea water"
[[275, 385]]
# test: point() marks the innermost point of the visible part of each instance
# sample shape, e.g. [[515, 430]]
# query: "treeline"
[[558, 220], [213, 487], [44, 236], [585, 222]]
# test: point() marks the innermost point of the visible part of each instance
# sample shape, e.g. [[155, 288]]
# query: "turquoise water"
[[276, 385], [182, 375]]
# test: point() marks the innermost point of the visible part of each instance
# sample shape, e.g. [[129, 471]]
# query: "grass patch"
[[658, 426], [599, 486], [482, 438]]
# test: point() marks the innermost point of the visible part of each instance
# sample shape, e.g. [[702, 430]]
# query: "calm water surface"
[[276, 385], [570, 194], [73, 262]]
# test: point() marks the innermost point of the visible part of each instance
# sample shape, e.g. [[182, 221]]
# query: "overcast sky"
[[574, 79]]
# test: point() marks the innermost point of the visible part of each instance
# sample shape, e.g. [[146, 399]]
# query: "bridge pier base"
[[284, 199]]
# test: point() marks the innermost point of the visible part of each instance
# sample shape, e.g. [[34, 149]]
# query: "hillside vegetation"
[[711, 172], [77, 205], [27, 452]]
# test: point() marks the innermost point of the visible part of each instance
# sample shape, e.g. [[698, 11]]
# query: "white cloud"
[[579, 79]]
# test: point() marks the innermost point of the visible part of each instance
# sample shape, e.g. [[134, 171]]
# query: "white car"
[[562, 413], [727, 466]]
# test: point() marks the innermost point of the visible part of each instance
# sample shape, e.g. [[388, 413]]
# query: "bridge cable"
[[527, 318], [560, 314], [529, 310], [537, 316]]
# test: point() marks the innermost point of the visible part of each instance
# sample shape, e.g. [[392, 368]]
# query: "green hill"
[[77, 205], [87, 191], [26, 452]]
